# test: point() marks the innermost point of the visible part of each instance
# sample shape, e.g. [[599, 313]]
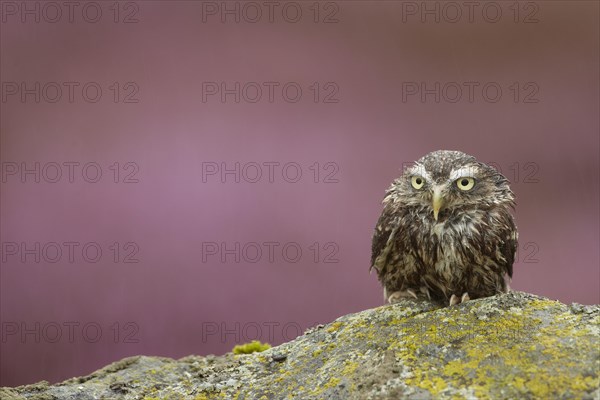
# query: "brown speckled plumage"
[[446, 231]]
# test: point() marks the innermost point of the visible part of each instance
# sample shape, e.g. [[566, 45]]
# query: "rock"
[[509, 346]]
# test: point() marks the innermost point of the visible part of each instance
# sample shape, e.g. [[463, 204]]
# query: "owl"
[[446, 232]]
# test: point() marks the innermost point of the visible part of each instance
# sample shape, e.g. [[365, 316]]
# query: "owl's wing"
[[383, 239], [508, 241]]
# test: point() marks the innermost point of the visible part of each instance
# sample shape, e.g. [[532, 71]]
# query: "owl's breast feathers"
[[470, 251]]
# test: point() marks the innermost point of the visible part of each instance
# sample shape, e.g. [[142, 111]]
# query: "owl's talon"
[[454, 300], [401, 295]]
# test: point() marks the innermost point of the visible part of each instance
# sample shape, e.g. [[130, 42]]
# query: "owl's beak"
[[437, 202]]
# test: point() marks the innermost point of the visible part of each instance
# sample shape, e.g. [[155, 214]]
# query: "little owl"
[[446, 232]]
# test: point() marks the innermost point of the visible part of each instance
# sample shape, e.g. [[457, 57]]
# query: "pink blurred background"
[[355, 123]]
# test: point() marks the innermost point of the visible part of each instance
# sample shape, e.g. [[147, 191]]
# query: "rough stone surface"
[[512, 346]]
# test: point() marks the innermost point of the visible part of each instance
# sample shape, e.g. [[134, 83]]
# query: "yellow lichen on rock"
[[252, 347], [334, 327]]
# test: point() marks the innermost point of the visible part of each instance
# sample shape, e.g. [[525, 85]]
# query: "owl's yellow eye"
[[417, 182], [465, 183]]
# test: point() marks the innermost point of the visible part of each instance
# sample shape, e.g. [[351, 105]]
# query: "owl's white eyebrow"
[[463, 172], [420, 170]]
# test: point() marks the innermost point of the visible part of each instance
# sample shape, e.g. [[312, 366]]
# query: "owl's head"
[[447, 182]]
